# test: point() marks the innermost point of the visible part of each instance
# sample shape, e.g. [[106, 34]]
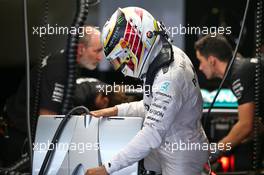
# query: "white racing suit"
[[172, 137]]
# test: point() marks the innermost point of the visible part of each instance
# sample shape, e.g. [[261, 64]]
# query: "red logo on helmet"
[[139, 12], [132, 36]]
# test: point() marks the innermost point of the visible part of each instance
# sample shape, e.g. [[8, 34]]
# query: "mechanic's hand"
[[97, 171], [105, 112]]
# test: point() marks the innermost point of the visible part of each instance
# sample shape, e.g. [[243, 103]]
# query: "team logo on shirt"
[[165, 87], [58, 91], [237, 88]]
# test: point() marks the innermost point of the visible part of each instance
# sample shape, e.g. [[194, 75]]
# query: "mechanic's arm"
[[242, 129], [135, 109]]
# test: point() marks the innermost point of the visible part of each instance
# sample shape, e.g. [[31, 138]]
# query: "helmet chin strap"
[[161, 61]]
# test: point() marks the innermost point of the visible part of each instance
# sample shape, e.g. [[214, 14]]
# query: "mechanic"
[[214, 54], [95, 94], [89, 54], [137, 44]]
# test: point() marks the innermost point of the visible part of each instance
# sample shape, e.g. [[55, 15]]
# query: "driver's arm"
[[131, 109]]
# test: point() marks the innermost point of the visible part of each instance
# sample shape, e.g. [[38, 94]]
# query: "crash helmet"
[[129, 40]]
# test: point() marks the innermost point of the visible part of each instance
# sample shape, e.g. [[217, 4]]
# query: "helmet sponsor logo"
[[132, 36], [139, 12]]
